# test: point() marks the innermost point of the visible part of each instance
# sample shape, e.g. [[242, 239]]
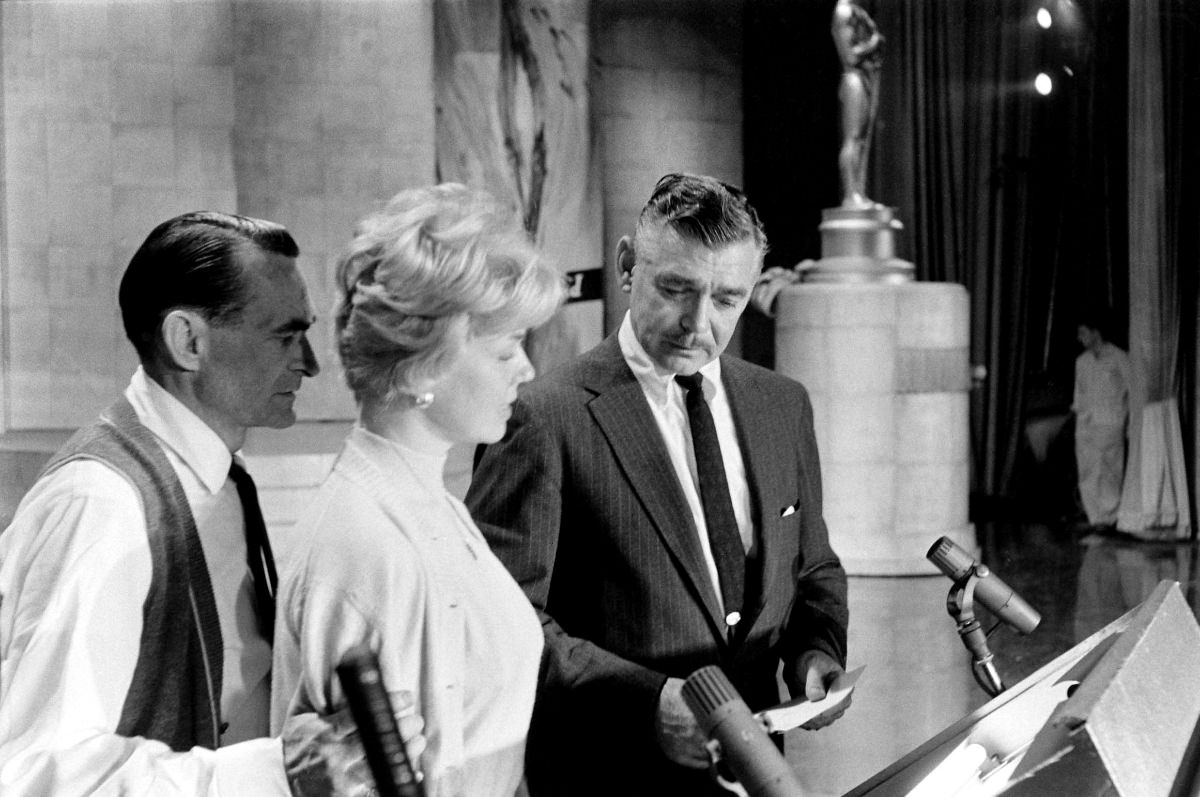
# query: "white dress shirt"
[[75, 569], [669, 407], [1102, 386]]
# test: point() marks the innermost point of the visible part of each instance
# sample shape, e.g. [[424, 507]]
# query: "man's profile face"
[[686, 299], [254, 364]]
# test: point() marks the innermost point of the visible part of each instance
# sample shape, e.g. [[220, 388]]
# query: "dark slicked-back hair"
[[703, 209], [191, 262], [1097, 318]]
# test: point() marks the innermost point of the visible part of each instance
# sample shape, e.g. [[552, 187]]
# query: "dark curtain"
[[1181, 111], [790, 109], [1019, 197]]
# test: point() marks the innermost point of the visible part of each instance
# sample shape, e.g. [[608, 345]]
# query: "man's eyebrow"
[[673, 279], [296, 324]]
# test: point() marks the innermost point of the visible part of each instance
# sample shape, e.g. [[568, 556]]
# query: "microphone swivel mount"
[[973, 581], [960, 605]]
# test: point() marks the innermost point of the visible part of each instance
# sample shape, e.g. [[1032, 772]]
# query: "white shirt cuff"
[[250, 769]]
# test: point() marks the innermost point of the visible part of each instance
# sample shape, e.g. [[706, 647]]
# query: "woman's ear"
[[184, 339]]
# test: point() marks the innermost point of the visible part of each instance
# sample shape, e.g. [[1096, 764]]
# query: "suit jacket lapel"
[[623, 415], [765, 452]]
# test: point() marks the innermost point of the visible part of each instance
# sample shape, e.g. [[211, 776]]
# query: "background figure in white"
[[860, 46], [1101, 407]]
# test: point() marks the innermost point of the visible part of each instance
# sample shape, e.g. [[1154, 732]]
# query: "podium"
[[1115, 715]]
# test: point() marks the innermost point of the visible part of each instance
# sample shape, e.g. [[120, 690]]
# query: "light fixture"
[[1043, 84], [1044, 19]]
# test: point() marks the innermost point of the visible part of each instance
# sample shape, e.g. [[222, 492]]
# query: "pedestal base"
[[858, 245], [887, 368]]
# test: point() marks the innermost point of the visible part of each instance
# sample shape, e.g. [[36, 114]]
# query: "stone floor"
[[917, 679]]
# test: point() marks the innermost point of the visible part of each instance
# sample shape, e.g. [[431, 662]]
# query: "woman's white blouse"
[[387, 556]]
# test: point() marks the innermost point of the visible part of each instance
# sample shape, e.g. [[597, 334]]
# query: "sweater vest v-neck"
[[175, 694]]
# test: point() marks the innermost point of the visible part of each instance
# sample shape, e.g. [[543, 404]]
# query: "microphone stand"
[[960, 603]]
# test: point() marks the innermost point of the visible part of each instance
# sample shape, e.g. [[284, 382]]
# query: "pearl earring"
[[422, 400]]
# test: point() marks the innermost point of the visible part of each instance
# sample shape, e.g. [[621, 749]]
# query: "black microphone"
[[745, 747], [371, 708], [995, 596]]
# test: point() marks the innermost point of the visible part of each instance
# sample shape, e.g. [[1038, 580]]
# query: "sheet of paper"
[[795, 713]]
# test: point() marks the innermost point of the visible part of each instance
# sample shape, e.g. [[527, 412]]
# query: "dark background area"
[[1023, 199]]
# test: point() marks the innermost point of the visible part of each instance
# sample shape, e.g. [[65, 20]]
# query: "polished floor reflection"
[[918, 680]]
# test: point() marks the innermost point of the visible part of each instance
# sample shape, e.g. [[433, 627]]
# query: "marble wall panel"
[[104, 136], [143, 93], [79, 89]]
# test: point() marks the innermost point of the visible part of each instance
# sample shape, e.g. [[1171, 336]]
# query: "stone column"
[[886, 365]]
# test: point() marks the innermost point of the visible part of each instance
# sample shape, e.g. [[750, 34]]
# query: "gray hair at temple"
[[437, 265], [703, 209]]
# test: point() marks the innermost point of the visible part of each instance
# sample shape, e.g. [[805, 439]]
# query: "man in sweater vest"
[[136, 579]]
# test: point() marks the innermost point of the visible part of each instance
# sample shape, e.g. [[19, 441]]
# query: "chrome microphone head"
[[992, 593], [950, 559]]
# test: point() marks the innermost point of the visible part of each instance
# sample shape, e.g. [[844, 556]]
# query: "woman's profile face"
[[473, 400]]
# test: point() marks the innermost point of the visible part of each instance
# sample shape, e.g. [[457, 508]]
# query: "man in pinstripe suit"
[[593, 501]]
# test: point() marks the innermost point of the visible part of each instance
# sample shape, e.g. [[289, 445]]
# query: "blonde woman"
[[436, 294]]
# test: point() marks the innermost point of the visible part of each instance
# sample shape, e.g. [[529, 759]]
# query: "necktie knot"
[[240, 476], [691, 382]]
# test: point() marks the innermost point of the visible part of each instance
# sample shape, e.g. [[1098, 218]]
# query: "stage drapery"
[[1024, 199], [1154, 502]]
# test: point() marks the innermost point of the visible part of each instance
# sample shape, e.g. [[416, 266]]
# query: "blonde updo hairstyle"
[[435, 267]]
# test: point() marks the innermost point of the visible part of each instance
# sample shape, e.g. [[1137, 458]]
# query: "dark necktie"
[[258, 551], [723, 533]]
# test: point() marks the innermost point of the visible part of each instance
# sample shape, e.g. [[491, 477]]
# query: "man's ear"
[[184, 339], [625, 263]]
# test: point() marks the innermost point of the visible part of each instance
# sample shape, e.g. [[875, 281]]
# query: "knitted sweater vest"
[[175, 693]]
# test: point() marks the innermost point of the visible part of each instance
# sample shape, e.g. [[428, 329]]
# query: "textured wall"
[[667, 96], [114, 118], [334, 115], [118, 115]]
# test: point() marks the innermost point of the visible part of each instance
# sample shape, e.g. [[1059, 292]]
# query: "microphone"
[[995, 596], [726, 719], [362, 681]]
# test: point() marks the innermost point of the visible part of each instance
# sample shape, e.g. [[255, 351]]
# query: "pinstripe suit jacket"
[[580, 502]]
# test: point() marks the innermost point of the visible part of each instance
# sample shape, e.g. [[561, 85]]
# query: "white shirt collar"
[[180, 429], [656, 383]]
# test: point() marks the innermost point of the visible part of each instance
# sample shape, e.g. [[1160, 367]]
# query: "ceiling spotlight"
[[1043, 84], [1044, 19]]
